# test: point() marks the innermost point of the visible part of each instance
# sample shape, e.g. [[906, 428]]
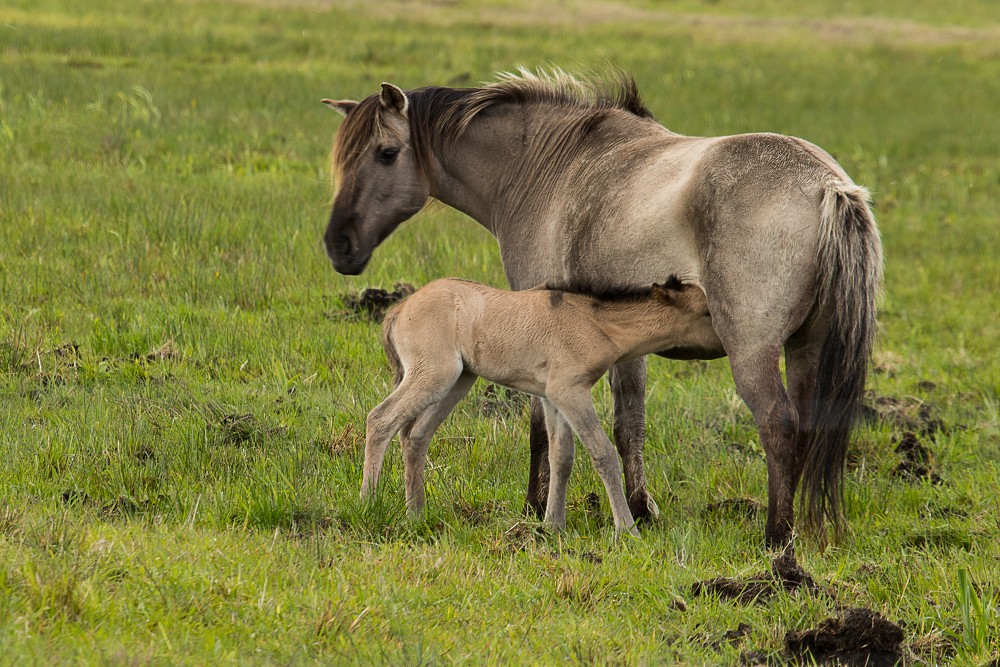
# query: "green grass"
[[182, 396]]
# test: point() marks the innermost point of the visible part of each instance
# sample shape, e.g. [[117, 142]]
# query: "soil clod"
[[858, 637], [374, 301], [917, 463], [746, 508], [785, 575], [907, 413]]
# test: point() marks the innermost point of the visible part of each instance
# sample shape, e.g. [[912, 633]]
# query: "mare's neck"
[[505, 165]]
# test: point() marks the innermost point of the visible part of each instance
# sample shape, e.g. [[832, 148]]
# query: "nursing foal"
[[550, 343]]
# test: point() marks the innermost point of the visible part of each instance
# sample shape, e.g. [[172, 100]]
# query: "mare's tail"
[[849, 278]]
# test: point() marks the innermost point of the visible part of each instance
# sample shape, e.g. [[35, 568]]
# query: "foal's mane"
[[440, 114], [614, 294]]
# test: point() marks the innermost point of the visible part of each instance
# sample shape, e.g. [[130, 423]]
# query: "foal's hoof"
[[643, 507]]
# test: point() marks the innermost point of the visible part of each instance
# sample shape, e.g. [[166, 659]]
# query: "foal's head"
[[379, 182], [687, 298]]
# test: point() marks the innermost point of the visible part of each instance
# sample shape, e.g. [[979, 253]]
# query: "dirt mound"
[[858, 637], [785, 575], [737, 508], [498, 400], [907, 413], [374, 301], [918, 460]]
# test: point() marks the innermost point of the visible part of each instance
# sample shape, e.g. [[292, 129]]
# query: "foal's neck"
[[638, 325]]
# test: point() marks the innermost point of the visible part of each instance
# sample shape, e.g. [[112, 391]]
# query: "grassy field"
[[183, 387]]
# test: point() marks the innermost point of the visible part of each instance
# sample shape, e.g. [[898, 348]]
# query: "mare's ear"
[[343, 107], [394, 98]]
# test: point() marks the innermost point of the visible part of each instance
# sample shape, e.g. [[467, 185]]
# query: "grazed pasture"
[[184, 379]]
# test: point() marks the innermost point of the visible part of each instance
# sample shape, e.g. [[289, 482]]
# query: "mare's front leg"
[[628, 389], [538, 469]]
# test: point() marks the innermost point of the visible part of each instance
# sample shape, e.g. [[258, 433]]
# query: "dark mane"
[[443, 114]]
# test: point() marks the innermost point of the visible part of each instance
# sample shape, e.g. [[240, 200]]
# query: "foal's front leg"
[[578, 410], [561, 449]]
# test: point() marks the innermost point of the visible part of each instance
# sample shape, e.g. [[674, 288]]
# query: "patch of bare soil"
[[857, 637], [166, 351], [918, 460], [496, 400], [731, 637], [476, 513], [785, 575], [374, 301], [746, 508], [516, 539], [906, 413]]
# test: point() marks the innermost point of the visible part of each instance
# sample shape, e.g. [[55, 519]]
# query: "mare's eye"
[[388, 155]]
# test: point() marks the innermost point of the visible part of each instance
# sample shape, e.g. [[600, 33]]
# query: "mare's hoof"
[[644, 508]]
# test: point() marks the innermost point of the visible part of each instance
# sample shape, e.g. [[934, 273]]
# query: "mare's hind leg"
[[758, 381], [628, 388], [415, 393], [416, 437]]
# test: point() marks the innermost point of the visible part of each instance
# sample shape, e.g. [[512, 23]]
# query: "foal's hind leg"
[[628, 388], [414, 394], [416, 437]]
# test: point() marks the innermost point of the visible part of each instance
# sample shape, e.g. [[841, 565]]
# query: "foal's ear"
[[394, 98], [343, 107]]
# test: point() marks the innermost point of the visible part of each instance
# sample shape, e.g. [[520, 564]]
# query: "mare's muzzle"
[[342, 246]]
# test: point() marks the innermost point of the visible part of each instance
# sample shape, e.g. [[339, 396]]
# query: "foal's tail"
[[849, 277], [388, 324]]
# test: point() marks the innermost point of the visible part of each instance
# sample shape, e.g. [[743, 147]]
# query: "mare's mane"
[[439, 114]]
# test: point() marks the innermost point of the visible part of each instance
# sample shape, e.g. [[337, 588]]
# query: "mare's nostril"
[[345, 245]]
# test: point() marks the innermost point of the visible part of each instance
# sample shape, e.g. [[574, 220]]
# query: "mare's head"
[[379, 180]]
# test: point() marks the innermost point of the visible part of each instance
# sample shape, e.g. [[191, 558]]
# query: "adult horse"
[[581, 186]]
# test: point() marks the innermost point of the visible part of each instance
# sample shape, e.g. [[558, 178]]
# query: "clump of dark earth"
[[908, 414], [917, 463], [944, 537], [499, 400], [746, 508], [591, 557], [166, 351], [374, 301], [734, 636], [858, 637], [476, 513], [785, 575]]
